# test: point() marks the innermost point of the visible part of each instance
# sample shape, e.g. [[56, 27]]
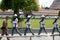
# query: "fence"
[[22, 16]]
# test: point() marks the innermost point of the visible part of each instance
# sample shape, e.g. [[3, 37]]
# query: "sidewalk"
[[34, 30], [29, 36]]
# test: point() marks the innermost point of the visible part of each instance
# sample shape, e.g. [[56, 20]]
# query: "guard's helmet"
[[15, 14], [42, 16], [56, 17], [29, 16]]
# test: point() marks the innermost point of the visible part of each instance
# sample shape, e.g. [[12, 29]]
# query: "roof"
[[43, 11], [55, 4], [46, 12]]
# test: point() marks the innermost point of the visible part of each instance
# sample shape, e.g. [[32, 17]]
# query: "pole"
[[30, 38]]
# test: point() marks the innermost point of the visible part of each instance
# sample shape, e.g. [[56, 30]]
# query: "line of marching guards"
[[28, 27]]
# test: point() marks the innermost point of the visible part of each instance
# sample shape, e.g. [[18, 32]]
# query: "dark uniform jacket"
[[4, 27]]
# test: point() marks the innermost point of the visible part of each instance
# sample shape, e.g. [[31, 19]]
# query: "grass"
[[9, 23], [34, 23]]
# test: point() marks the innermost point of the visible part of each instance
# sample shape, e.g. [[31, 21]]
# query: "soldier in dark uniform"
[[4, 28], [28, 25], [42, 25], [15, 25], [55, 25]]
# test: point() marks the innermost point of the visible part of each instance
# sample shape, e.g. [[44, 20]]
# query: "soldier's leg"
[[31, 31], [1, 35], [7, 35], [25, 31], [44, 30], [58, 29], [13, 31], [40, 31], [18, 32], [53, 30]]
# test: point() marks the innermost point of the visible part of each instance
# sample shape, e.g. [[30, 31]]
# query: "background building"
[[55, 5], [36, 14]]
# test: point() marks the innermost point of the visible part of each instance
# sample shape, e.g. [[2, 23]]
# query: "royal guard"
[[55, 25], [15, 25], [28, 27], [42, 23]]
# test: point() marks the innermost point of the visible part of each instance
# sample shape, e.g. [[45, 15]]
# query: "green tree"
[[19, 4], [15, 5], [59, 13]]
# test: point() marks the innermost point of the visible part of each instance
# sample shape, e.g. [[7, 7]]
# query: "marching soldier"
[[15, 25], [55, 25], [28, 25], [42, 22]]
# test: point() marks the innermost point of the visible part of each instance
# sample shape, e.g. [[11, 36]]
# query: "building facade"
[[55, 5]]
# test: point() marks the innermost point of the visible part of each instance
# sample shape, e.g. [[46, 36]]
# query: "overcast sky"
[[45, 3], [0, 0]]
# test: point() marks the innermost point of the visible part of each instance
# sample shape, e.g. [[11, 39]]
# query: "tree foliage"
[[30, 5], [19, 4], [59, 13], [6, 4], [15, 5]]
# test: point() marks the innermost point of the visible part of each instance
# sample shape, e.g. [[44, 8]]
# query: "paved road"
[[34, 30], [29, 36]]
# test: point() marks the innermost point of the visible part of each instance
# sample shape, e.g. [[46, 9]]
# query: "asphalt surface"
[[29, 36], [34, 30]]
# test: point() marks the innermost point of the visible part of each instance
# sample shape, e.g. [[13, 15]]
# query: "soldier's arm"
[[54, 21], [41, 20]]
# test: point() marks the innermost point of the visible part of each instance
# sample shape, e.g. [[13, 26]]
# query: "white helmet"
[[15, 14], [56, 17], [43, 16], [29, 16]]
